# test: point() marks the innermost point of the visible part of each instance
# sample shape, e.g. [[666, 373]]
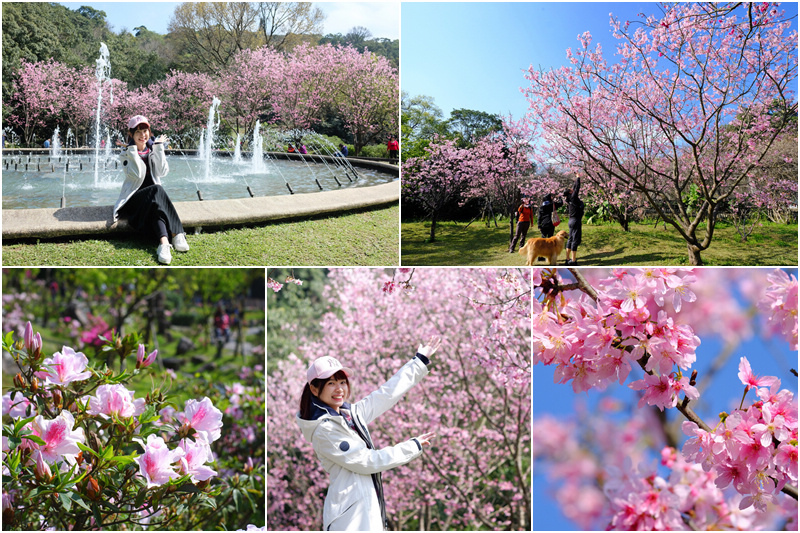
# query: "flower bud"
[[42, 469], [34, 384], [93, 491], [28, 337], [19, 381], [248, 465], [79, 458], [139, 355], [58, 398]]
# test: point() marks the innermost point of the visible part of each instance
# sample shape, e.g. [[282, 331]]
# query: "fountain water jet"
[[258, 166], [102, 72], [55, 145], [237, 152], [211, 128]]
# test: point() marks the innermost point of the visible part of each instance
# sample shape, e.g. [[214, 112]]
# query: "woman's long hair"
[[308, 395]]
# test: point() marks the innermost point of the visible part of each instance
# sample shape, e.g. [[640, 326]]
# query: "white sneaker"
[[164, 254], [179, 242]]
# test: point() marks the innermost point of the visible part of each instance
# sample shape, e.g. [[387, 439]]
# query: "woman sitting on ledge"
[[142, 200]]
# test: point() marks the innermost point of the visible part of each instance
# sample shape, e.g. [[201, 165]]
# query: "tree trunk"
[[694, 255], [433, 230]]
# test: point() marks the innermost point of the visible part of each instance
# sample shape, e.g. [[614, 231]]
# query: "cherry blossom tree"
[[367, 95], [602, 331], [685, 104], [477, 397], [437, 180], [185, 99], [249, 86], [48, 92]]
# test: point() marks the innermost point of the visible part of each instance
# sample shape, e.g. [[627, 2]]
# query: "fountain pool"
[[40, 181]]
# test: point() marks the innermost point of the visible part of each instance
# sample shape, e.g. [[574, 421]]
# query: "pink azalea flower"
[[64, 367], [60, 439], [203, 417], [115, 400], [17, 408], [751, 380], [155, 464], [193, 461], [42, 469]]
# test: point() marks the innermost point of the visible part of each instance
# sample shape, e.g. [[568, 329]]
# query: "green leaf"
[[35, 438], [149, 415], [237, 499], [188, 487], [108, 452], [97, 518], [140, 497], [8, 340], [66, 501], [75, 497], [19, 424], [13, 442], [85, 448], [122, 459]]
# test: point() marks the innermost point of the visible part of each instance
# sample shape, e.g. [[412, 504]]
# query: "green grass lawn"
[[603, 245], [356, 238]]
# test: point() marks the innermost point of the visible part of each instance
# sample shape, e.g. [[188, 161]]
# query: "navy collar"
[[320, 408]]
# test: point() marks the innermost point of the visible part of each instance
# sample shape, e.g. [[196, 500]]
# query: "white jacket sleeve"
[[385, 397], [343, 448], [158, 159]]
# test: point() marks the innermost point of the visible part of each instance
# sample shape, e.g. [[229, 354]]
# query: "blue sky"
[[381, 18], [770, 356], [471, 55]]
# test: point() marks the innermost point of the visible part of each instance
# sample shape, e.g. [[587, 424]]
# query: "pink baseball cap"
[[325, 367], [138, 119]]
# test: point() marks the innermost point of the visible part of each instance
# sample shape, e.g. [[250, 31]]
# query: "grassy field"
[[358, 238], [603, 245]]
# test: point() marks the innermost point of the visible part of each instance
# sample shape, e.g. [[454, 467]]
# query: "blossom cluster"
[[753, 449], [69, 419], [594, 344]]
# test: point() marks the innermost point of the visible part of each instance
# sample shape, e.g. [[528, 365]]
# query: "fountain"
[[258, 166], [211, 130], [31, 183], [102, 72], [237, 152], [55, 145]]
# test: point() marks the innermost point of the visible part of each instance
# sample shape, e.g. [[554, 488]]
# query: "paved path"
[[48, 223]]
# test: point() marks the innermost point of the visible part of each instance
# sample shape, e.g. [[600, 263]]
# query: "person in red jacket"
[[394, 148], [525, 216]]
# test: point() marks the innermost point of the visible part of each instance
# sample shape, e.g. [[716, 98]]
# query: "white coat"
[[352, 503], [135, 171]]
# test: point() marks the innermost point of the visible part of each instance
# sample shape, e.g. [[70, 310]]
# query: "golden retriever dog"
[[549, 248]]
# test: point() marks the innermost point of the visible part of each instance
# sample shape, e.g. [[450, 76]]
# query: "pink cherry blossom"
[[64, 367], [203, 417], [115, 400], [749, 379], [156, 463]]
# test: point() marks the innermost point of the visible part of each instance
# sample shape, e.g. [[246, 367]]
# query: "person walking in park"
[[393, 147], [338, 432], [525, 214], [142, 200], [575, 209], [545, 221]]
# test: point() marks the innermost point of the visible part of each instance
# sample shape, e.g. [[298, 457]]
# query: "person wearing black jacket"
[[575, 209], [546, 215]]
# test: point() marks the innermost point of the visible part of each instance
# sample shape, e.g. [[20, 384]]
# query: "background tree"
[[469, 125], [209, 34], [682, 106], [283, 23], [420, 120]]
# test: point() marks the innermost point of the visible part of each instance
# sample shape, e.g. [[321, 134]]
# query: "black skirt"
[[146, 207]]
